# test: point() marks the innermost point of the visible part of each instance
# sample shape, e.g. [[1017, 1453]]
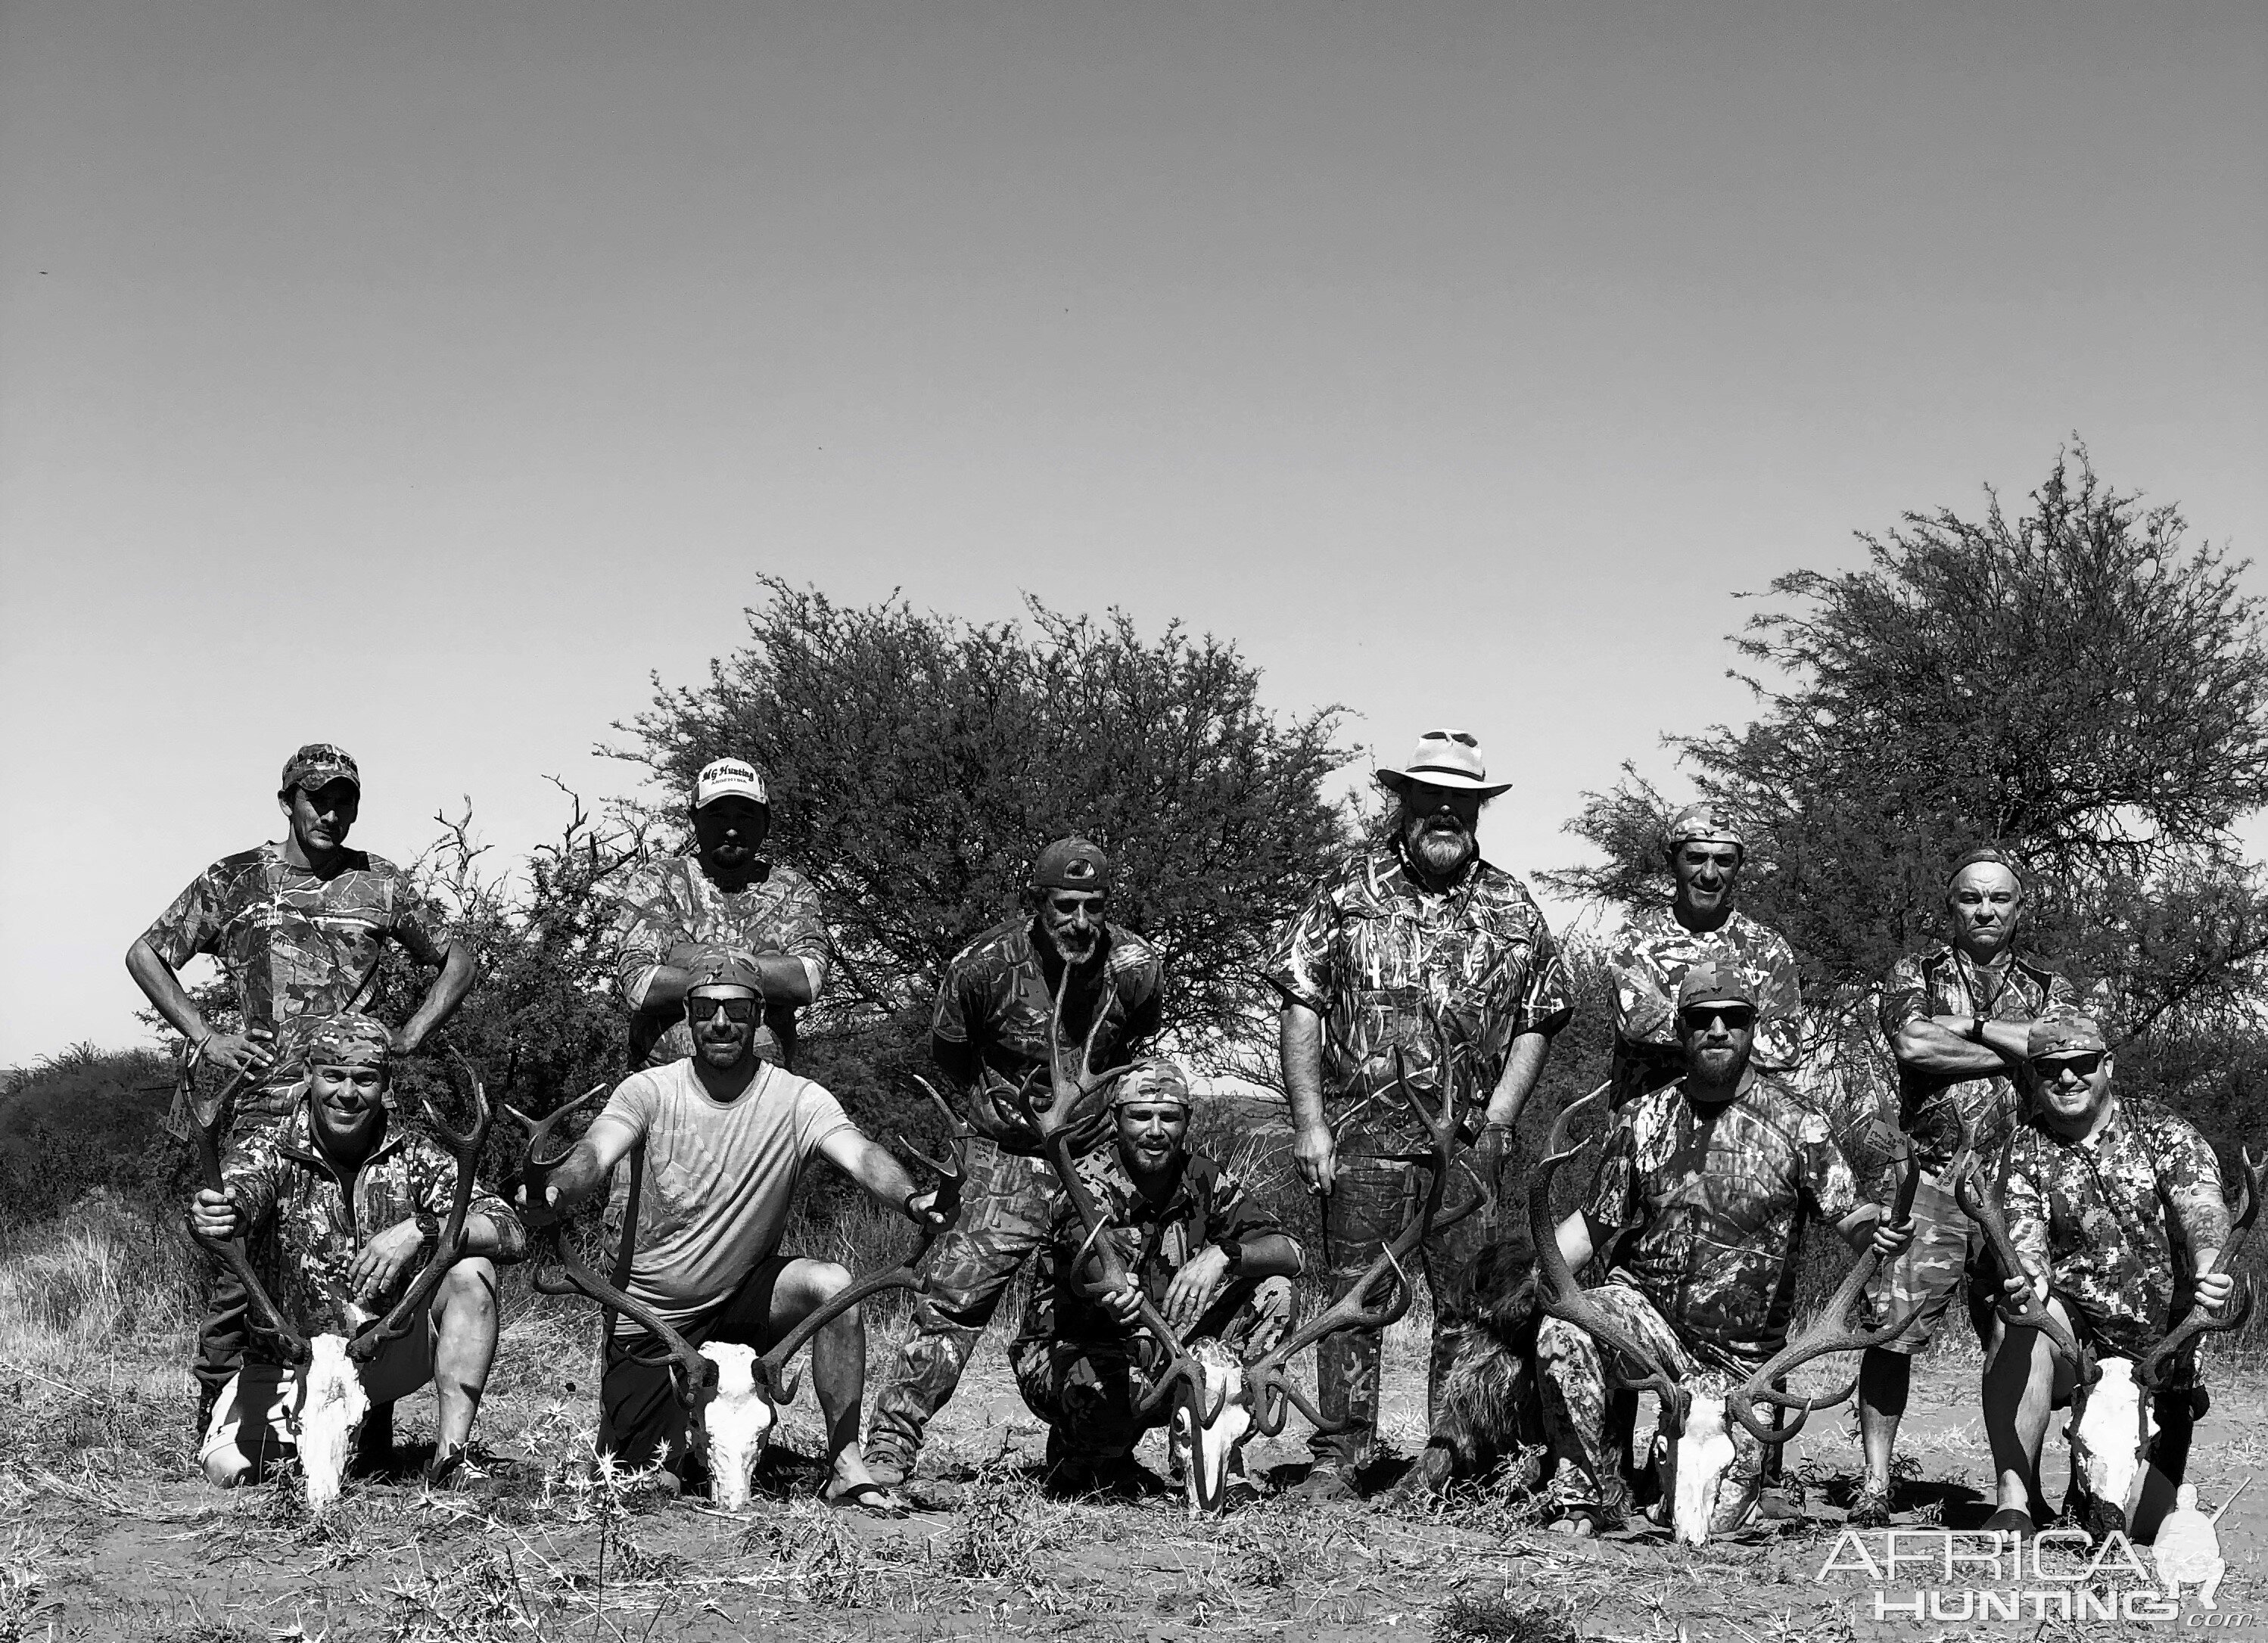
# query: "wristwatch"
[[1976, 1029], [429, 1226], [1234, 1251]]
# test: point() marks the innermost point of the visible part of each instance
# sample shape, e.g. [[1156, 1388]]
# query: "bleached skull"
[[736, 1422], [1205, 1450], [2110, 1430], [329, 1411]]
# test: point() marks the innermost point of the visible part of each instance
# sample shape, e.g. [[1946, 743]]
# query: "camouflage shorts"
[[1945, 1244]]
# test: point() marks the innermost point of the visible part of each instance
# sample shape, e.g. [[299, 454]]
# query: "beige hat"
[[1445, 758]]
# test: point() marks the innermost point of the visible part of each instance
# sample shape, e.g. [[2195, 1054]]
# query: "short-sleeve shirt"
[[674, 900], [306, 1225], [1156, 1240], [292, 943], [2103, 1216], [997, 1000], [1939, 982], [1714, 1197], [1648, 962], [719, 1178], [1382, 960]]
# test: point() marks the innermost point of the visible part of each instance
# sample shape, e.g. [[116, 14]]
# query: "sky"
[[426, 378]]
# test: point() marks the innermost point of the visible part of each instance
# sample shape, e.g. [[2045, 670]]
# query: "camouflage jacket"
[[1382, 961], [1648, 961], [1713, 1204], [673, 900], [1937, 982], [1155, 1239], [304, 1225], [990, 1031], [292, 943], [2105, 1216]]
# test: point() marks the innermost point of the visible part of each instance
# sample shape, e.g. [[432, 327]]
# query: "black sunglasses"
[[740, 1010], [1737, 1018], [2051, 1069]]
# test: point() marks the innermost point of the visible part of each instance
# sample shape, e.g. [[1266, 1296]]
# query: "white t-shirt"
[[720, 1176]]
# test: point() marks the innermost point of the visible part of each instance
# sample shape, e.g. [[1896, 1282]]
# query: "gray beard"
[[1440, 854]]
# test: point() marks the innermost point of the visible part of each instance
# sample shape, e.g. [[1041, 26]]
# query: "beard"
[[1073, 950], [1439, 844]]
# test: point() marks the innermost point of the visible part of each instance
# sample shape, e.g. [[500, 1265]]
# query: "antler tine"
[[2159, 1359], [465, 1146], [539, 1130], [700, 1372], [206, 1120], [1982, 1206]]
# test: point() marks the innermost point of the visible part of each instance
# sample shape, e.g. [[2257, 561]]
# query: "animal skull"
[[737, 1420], [2110, 1430], [328, 1413], [1205, 1448], [1696, 1460]]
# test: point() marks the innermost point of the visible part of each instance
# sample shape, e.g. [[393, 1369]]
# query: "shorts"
[[1946, 1245], [270, 1393]]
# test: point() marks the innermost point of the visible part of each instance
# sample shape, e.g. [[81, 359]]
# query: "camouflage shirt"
[[2103, 1216], [1382, 960], [990, 1031], [1938, 982], [305, 1226], [1649, 960], [674, 900], [1155, 1239], [1714, 1201], [293, 944]]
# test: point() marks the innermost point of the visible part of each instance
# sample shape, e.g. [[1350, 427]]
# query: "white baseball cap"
[[729, 778]]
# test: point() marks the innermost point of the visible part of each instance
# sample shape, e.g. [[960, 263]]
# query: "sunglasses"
[[742, 1010], [1737, 1018], [2051, 1069]]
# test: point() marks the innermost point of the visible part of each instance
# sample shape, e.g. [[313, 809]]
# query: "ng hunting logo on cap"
[[729, 778]]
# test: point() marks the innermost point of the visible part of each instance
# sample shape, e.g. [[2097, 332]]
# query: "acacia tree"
[[2075, 685], [920, 762]]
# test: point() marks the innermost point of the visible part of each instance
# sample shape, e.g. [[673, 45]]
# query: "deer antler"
[[1982, 1205], [1828, 1333], [1557, 1293], [207, 1120], [464, 1147], [2158, 1362]]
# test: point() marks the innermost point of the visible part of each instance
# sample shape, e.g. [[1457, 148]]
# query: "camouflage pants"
[[1373, 1200], [1945, 1244], [1573, 1372], [226, 1329], [1007, 1204]]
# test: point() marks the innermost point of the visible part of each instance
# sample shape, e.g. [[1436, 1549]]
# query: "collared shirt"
[[2104, 1215], [1713, 1199], [1648, 962], [990, 1026], [293, 943], [306, 1226], [1155, 1239], [1383, 961], [1939, 982], [674, 900]]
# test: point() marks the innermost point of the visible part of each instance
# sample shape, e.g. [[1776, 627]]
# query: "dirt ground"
[[104, 1535]]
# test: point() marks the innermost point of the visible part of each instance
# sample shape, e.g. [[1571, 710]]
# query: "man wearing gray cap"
[[298, 929], [1417, 955], [989, 1037]]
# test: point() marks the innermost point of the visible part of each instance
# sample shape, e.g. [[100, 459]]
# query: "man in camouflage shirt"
[[298, 928], [1209, 1258], [1957, 1016], [1417, 946], [341, 1207], [2112, 1204], [721, 893], [1703, 1190], [989, 1037]]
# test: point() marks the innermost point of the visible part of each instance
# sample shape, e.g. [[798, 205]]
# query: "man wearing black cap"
[[1958, 1017], [298, 928], [1415, 956], [989, 1037]]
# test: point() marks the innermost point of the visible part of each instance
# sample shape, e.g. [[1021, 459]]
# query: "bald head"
[[1985, 901]]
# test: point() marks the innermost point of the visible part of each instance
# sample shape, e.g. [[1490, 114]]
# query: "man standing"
[[989, 1039], [1958, 1017], [339, 1207], [298, 928], [1417, 946], [727, 1137], [1699, 925], [1204, 1254], [721, 893], [2108, 1200]]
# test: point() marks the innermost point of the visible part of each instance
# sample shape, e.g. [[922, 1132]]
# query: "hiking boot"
[[889, 1468], [1776, 1503], [1870, 1509], [1328, 1481]]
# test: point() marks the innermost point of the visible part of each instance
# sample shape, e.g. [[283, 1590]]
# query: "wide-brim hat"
[[1449, 759]]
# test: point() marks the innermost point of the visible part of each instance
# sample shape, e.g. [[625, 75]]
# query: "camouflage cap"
[[718, 967], [1158, 1080], [1071, 863], [1985, 855], [348, 1039], [317, 765], [1701, 822], [1714, 984], [2064, 1033]]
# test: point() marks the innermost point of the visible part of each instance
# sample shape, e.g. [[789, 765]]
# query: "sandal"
[[873, 1498], [1580, 1520]]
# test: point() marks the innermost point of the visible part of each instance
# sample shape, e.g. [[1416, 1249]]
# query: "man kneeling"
[[1208, 1257], [305, 1188]]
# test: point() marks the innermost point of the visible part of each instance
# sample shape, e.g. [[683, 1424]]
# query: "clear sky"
[[424, 376]]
